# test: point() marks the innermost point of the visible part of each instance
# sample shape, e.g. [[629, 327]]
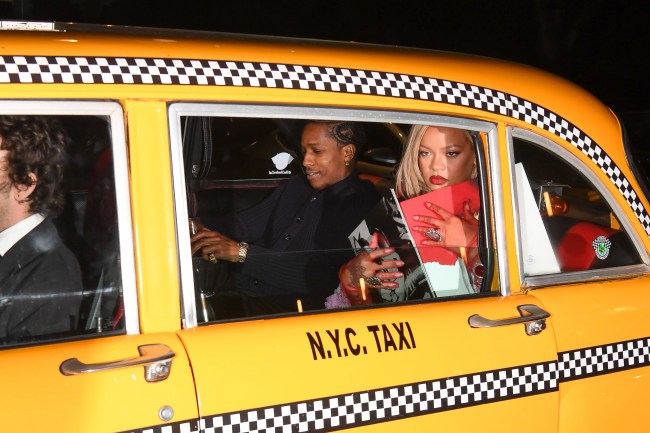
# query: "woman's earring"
[[347, 163]]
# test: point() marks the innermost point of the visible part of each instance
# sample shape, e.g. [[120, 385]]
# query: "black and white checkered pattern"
[[352, 410], [126, 70], [594, 361], [404, 401]]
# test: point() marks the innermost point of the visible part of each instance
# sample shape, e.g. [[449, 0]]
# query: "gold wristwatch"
[[243, 252]]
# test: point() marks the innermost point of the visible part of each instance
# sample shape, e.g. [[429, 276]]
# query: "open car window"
[[244, 180]]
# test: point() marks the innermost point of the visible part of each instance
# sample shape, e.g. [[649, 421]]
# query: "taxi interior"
[[88, 222], [228, 168]]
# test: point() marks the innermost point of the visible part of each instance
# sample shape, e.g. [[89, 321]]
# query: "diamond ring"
[[373, 281], [433, 234]]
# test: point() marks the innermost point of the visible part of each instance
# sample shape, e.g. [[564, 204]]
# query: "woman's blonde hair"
[[409, 181]]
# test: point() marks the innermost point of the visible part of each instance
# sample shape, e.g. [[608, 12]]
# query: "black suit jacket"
[[40, 287]]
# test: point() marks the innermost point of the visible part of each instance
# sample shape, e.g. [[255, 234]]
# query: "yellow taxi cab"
[[168, 125]]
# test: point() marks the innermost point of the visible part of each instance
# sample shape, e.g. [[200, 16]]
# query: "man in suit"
[[40, 279]]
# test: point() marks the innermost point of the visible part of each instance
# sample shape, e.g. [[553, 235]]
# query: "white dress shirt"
[[16, 232]]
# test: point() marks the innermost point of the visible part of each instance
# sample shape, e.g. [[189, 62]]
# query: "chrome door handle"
[[533, 317], [156, 359]]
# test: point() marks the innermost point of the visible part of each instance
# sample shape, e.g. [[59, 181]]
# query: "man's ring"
[[373, 281], [433, 234], [212, 258]]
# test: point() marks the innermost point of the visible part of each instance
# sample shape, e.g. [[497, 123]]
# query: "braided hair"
[[345, 133]]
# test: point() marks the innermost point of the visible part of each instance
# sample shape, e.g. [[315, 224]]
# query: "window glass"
[[566, 224], [60, 268], [243, 148], [280, 209]]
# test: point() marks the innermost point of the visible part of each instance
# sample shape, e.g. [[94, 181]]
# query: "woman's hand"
[[210, 242], [369, 267], [454, 231]]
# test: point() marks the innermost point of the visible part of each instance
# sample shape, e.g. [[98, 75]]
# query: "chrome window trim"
[[114, 112], [176, 110], [573, 161], [604, 274], [515, 208], [494, 152]]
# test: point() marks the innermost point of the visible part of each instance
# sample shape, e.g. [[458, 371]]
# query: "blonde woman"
[[434, 157]]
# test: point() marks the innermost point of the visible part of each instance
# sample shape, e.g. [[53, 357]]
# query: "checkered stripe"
[[353, 410], [124, 70], [599, 360], [541, 117], [422, 398]]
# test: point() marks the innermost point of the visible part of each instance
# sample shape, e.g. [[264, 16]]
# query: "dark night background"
[[602, 45]]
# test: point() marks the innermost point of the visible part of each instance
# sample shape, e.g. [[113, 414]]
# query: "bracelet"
[[243, 252]]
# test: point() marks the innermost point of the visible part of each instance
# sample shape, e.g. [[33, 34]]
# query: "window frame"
[[553, 148], [113, 111], [178, 109]]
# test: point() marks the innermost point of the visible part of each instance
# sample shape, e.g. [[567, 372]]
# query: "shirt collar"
[[16, 232]]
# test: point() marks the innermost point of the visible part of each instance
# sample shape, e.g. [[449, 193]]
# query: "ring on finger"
[[373, 281], [433, 234], [212, 258]]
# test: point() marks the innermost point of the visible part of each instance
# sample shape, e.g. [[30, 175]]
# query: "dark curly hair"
[[35, 144]]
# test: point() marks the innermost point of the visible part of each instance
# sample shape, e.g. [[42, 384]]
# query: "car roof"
[[205, 66], [71, 39], [498, 79]]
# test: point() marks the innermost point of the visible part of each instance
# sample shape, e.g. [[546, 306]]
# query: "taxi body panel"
[[416, 367], [152, 216], [42, 398], [360, 361]]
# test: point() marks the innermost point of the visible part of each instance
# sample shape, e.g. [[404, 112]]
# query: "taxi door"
[[409, 368], [97, 385], [122, 369], [454, 365], [599, 302]]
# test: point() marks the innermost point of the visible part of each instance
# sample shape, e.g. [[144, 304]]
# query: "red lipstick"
[[437, 180]]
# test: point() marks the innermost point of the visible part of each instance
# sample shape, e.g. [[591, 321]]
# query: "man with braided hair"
[[40, 279], [311, 215]]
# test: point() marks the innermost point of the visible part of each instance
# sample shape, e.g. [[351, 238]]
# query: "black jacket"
[[298, 239], [40, 287]]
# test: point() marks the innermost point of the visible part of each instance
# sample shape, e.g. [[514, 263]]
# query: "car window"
[[62, 278], [257, 190], [566, 224], [245, 147]]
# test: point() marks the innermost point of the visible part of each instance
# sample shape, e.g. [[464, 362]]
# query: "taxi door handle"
[[533, 318], [156, 359]]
